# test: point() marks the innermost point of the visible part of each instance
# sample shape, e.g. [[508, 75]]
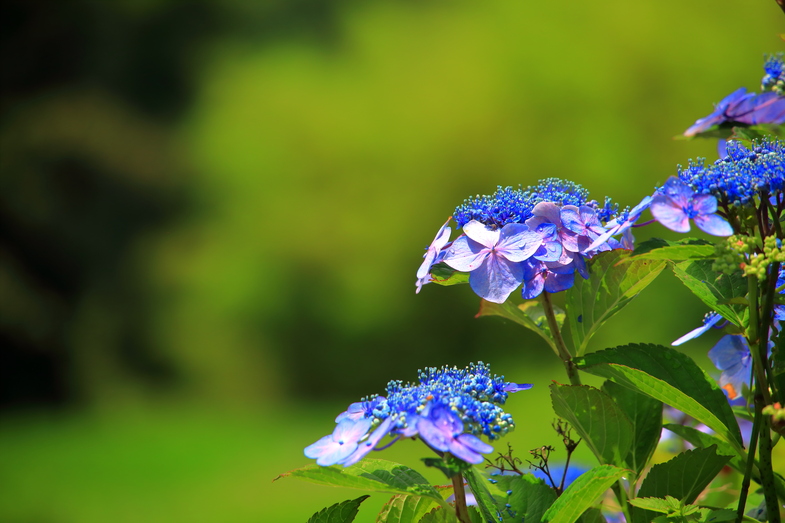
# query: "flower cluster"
[[743, 108], [537, 237], [448, 409], [741, 176]]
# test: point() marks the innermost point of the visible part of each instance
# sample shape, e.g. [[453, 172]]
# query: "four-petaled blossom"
[[442, 430], [493, 257], [433, 255], [676, 203], [339, 445], [732, 356]]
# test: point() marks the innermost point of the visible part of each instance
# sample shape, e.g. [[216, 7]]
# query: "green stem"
[[745, 484], [766, 472], [758, 352], [561, 347], [461, 510]]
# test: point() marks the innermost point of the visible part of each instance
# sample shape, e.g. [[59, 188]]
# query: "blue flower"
[[622, 224], [449, 409], [433, 254], [493, 257], [676, 203], [710, 320], [723, 112], [774, 79], [743, 175], [732, 356]]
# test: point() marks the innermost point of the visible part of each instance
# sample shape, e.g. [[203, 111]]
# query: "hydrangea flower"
[[741, 107], [538, 236], [676, 203], [732, 356], [449, 409]]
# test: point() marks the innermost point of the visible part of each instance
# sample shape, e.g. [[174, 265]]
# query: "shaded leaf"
[[598, 420], [683, 477], [684, 249], [443, 274], [645, 414], [344, 512], [440, 515], [486, 503], [375, 475], [404, 508], [611, 286], [528, 314], [582, 494], [668, 376], [717, 291], [665, 506], [530, 498]]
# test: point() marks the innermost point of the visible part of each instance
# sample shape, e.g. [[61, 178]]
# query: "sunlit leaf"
[[344, 512], [530, 497], [405, 508], [598, 420], [717, 291], [684, 249], [374, 475], [486, 503], [528, 314], [610, 287], [443, 274], [583, 493], [669, 376]]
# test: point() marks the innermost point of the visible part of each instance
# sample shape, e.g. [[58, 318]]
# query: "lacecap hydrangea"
[[537, 237], [449, 409]]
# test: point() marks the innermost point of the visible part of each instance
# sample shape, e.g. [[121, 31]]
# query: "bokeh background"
[[211, 212]]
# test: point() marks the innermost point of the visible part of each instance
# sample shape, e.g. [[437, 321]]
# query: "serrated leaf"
[[715, 290], [738, 460], [669, 376], [486, 503], [665, 506], [718, 515], [592, 515], [683, 477], [404, 508], [582, 494], [530, 497], [344, 512], [443, 274], [526, 314], [684, 249], [610, 287], [440, 515], [645, 414], [375, 475], [598, 420]]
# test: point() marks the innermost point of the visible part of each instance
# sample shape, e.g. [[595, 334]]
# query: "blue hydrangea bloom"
[[449, 409], [774, 79], [676, 203], [741, 176]]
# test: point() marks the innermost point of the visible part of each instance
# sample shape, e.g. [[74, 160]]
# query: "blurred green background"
[[211, 213]]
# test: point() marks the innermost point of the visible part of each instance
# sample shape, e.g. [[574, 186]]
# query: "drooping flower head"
[[449, 409], [743, 108]]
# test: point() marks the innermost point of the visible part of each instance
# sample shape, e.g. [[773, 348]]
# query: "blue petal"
[[496, 278], [465, 254], [669, 214]]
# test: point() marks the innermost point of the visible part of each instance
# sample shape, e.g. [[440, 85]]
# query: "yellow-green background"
[[213, 212]]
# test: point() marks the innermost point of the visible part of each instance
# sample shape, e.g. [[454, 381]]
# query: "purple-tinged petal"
[[713, 224], [481, 233], [354, 412], [580, 266], [517, 387], [732, 356], [709, 321], [348, 430], [474, 443], [367, 446], [718, 116], [432, 252], [434, 436], [496, 278], [517, 242], [464, 452], [704, 204], [328, 452], [557, 282], [669, 214], [465, 254], [603, 238], [548, 210]]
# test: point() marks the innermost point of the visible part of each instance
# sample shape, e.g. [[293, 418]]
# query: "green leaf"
[[718, 291], [443, 274], [665, 506], [645, 414], [530, 497], [669, 376], [718, 515], [440, 515], [528, 314], [592, 515], [684, 249], [738, 460], [613, 283], [449, 465], [582, 494], [683, 477], [340, 512], [375, 475], [404, 508], [595, 416], [486, 503]]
